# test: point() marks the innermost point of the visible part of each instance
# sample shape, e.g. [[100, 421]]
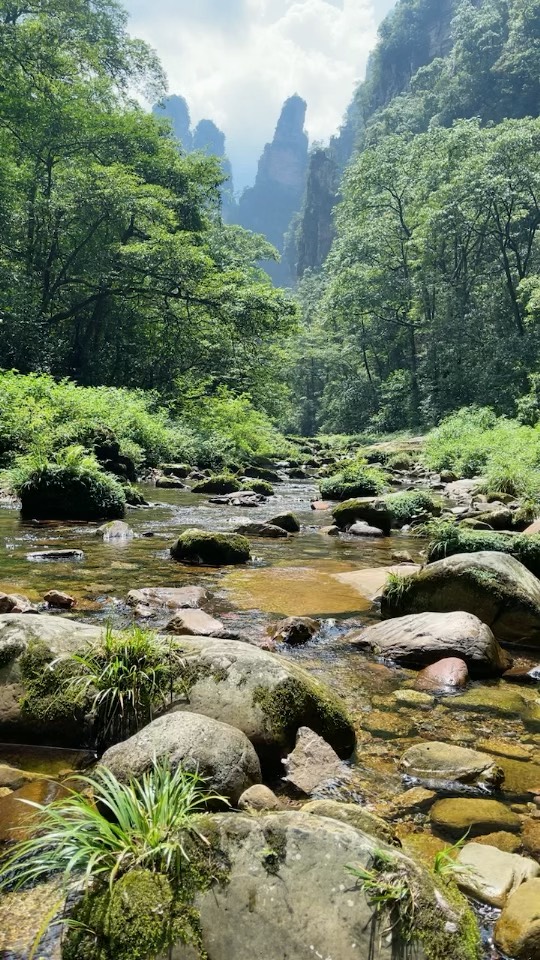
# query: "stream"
[[311, 573]]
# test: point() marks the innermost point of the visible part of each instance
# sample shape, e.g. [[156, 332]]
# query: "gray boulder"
[[268, 531], [424, 638], [435, 761], [493, 586], [115, 530], [222, 755]]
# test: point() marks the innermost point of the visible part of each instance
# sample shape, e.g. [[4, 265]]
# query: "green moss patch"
[[219, 484], [409, 506], [200, 547]]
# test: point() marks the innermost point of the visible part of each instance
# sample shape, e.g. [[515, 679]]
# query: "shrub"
[[70, 487], [408, 506], [400, 461], [449, 539], [355, 480]]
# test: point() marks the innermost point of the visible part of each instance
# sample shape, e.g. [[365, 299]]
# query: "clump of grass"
[[449, 539], [411, 506], [389, 892], [444, 861]]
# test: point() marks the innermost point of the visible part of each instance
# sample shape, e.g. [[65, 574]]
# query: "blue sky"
[[236, 61]]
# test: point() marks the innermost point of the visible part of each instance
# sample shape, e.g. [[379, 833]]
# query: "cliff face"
[[269, 206], [176, 110]]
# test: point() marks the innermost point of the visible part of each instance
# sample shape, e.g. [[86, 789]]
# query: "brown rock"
[[320, 505], [312, 762], [55, 598], [13, 603], [507, 842], [259, 797], [533, 528], [460, 815], [14, 779], [451, 673], [531, 837], [415, 799], [195, 623], [517, 932], [295, 630]]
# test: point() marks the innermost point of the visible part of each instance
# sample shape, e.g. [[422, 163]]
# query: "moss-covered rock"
[[259, 486], [58, 493], [262, 473], [287, 521], [210, 549], [220, 484], [373, 512], [451, 539], [493, 586]]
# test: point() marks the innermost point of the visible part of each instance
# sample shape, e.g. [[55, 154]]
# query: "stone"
[[508, 842], [444, 676], [242, 499], [491, 875], [502, 699], [361, 529], [446, 762], [493, 586], [533, 528], [266, 530], [13, 778], [506, 748], [220, 484], [415, 800], [531, 837], [415, 699], [221, 754], [55, 598], [531, 716], [520, 674], [460, 490], [195, 623], [461, 815], [517, 931], [352, 813], [331, 531], [172, 598], [13, 603], [289, 895], [43, 555], [179, 470], [258, 797], [370, 510], [389, 726], [402, 556], [287, 521], [424, 638], [313, 763], [321, 505], [202, 548], [295, 631], [170, 483], [115, 530]]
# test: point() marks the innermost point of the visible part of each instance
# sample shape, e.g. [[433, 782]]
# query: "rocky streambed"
[[436, 758]]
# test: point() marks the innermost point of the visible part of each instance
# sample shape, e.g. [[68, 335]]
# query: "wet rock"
[[218, 484], [507, 842], [13, 603], [170, 483], [331, 531], [445, 675], [501, 699], [493, 586], [425, 638], [321, 505], [460, 490], [531, 837], [172, 598], [519, 674], [266, 530], [55, 598], [313, 763], [195, 623], [296, 630], [41, 555], [353, 814], [290, 868], [370, 581], [402, 556], [500, 519], [242, 499], [263, 473], [210, 549], [531, 717], [389, 726], [369, 510], [461, 815], [506, 748], [259, 797], [298, 474], [490, 875], [437, 761], [14, 779], [415, 800], [517, 931], [415, 699], [115, 530], [361, 529], [179, 470], [287, 521], [222, 755]]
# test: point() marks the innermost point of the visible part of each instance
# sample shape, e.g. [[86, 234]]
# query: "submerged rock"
[[495, 587], [424, 638], [115, 530], [296, 630], [210, 549], [287, 521], [219, 753], [445, 675], [437, 761], [40, 555], [463, 815]]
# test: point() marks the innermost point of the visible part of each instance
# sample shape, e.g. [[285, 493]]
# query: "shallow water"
[[308, 574]]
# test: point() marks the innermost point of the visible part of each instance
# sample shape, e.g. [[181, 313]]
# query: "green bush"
[[449, 539], [357, 479], [407, 506], [400, 461], [71, 487]]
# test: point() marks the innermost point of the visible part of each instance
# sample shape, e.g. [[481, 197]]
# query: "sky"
[[236, 62]]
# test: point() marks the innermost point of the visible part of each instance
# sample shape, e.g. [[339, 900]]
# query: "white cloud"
[[236, 61]]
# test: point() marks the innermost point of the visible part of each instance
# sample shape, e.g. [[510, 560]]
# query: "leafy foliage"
[[355, 479]]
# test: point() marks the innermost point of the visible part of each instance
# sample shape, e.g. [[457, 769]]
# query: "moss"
[[276, 851], [144, 914], [300, 701], [192, 670], [56, 493], [259, 486], [47, 700], [219, 484], [210, 549], [450, 540], [363, 482], [9, 651], [376, 513]]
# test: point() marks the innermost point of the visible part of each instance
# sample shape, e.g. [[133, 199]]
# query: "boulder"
[[221, 754], [179, 470], [439, 762], [445, 675], [258, 797], [14, 603], [210, 549], [490, 875], [287, 521], [242, 499], [502, 840], [195, 623], [503, 699], [362, 529], [368, 509], [289, 895], [55, 598], [495, 587], [115, 530], [533, 528], [517, 931], [531, 837], [313, 763], [265, 530], [425, 638], [353, 814], [263, 473], [220, 484], [463, 815], [39, 556], [171, 598], [295, 630]]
